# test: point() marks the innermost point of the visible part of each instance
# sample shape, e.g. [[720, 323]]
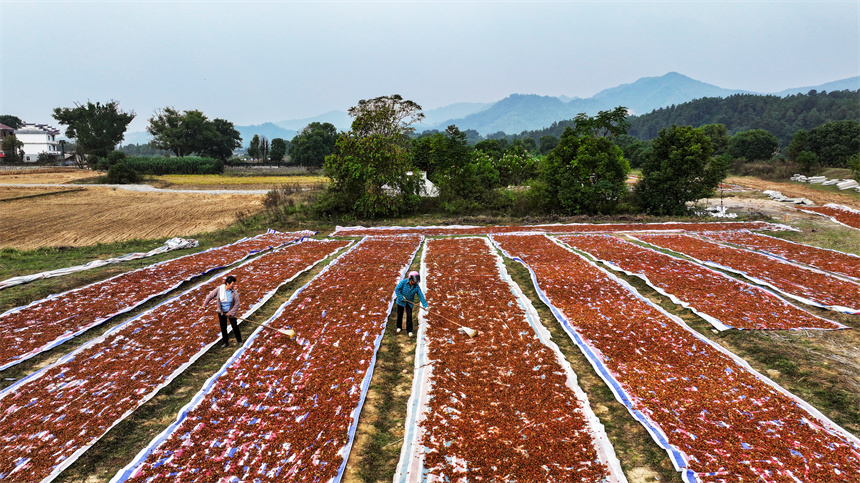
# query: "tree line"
[[96, 129], [375, 169]]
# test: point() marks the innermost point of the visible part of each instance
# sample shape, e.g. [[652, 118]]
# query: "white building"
[[38, 138]]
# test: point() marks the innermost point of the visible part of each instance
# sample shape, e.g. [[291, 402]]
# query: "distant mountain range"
[[522, 112]]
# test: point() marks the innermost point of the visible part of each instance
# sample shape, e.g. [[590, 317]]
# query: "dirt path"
[[794, 190]]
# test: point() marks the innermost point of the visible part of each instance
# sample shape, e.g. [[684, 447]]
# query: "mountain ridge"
[[522, 112]]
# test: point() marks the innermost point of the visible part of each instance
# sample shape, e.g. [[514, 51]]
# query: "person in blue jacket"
[[405, 292]]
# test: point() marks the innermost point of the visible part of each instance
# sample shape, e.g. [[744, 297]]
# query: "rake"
[[469, 331], [289, 332]]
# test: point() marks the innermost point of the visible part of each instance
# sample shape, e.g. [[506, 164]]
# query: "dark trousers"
[[222, 320], [408, 309]]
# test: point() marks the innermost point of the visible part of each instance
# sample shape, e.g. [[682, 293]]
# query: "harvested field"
[[213, 181], [103, 215], [10, 193], [46, 176]]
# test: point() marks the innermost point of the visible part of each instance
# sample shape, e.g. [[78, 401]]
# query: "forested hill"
[[781, 116]]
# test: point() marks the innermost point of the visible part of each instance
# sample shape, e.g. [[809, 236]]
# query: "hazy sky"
[[257, 61]]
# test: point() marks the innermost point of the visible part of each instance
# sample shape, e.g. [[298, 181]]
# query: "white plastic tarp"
[[169, 245]]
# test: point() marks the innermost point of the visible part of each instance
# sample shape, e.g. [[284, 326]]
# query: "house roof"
[[37, 129], [4, 127]]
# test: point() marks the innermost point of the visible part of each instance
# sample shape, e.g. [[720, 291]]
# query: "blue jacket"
[[405, 292]]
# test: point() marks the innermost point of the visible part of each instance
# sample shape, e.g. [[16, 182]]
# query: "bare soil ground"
[[795, 190], [102, 215]]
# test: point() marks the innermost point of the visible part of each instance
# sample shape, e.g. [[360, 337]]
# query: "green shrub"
[[806, 160], [121, 173], [116, 157], [184, 165]]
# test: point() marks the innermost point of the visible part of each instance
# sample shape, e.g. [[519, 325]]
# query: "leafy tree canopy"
[[191, 132], [311, 146], [279, 149], [12, 121], [492, 147], [390, 116], [605, 124], [97, 128], [441, 152], [369, 170], [547, 143], [586, 173], [834, 142], [719, 136], [753, 145], [678, 168]]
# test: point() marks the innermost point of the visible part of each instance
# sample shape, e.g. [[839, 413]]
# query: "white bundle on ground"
[[169, 245]]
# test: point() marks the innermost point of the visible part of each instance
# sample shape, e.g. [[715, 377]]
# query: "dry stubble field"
[[102, 215]]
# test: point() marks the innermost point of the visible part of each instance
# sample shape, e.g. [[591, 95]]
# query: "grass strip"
[[379, 437]]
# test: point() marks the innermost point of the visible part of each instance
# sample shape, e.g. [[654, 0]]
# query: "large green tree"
[[753, 145], [605, 124], [191, 132], [719, 136], [96, 128], [220, 139], [14, 122], [254, 147], [834, 142], [678, 168], [492, 147], [279, 150], [438, 153], [547, 143], [311, 146], [585, 174], [373, 156]]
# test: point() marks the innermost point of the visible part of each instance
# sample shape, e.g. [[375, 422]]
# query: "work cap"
[[415, 276]]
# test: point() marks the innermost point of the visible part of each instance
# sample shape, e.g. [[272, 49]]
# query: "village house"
[[5, 131], [37, 139]]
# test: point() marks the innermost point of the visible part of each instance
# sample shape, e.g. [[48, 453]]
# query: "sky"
[[267, 61]]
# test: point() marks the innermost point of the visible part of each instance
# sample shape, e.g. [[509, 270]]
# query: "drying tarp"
[[833, 261], [473, 404], [50, 418], [720, 299], [714, 414], [296, 405], [49, 322], [169, 245], [560, 228], [804, 284], [842, 215]]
